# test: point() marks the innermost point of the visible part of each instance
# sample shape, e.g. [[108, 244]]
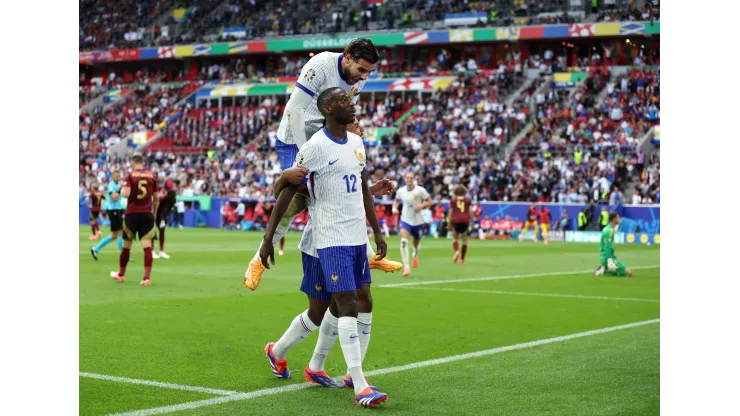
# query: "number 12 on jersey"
[[350, 178]]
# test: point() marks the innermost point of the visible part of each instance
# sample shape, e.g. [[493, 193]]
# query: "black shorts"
[[460, 227], [138, 223], [162, 217], [94, 215], [116, 219]]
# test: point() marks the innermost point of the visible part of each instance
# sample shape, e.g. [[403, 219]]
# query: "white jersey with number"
[[322, 71], [410, 200], [335, 185]]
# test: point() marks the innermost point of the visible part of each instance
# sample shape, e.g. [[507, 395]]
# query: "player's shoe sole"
[[320, 377], [94, 253], [370, 398], [146, 283], [415, 262], [388, 266], [348, 383], [253, 274], [116, 277], [279, 367], [456, 256]]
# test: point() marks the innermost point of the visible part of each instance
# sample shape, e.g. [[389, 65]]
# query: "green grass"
[[197, 325]]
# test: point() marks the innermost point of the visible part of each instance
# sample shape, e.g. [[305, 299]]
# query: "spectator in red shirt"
[[485, 226]]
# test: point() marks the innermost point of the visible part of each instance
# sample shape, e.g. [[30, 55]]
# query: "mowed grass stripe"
[[421, 364], [503, 292], [516, 276]]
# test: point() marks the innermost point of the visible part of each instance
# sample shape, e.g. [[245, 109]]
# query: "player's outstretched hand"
[[382, 247], [382, 187], [295, 175], [267, 251]]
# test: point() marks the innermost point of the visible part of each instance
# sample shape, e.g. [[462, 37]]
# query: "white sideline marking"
[[554, 295], [515, 276], [159, 384], [302, 386]]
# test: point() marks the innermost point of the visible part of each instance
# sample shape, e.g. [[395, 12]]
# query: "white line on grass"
[[159, 384], [554, 295], [438, 361], [516, 276]]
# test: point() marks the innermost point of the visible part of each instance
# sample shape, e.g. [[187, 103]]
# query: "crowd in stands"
[[111, 24], [582, 147]]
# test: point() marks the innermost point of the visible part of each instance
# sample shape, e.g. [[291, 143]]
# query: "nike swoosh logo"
[[365, 333], [331, 163], [353, 337]]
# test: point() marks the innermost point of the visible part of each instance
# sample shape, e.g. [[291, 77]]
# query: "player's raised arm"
[[369, 203], [290, 176]]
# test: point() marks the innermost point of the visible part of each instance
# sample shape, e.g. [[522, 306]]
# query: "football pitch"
[[519, 329]]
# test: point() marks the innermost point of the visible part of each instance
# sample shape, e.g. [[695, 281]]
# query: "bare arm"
[[126, 191], [290, 176], [367, 199], [155, 204], [281, 205]]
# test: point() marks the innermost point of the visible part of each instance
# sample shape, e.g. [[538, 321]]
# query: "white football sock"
[[386, 231], [328, 333], [369, 249], [405, 252], [350, 342], [298, 330], [364, 322], [416, 250]]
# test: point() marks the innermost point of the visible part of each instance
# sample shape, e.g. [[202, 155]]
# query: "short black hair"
[[362, 48], [612, 215], [323, 96]]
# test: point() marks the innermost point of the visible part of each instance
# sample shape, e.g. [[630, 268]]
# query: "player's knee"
[[316, 310], [346, 303], [364, 299]]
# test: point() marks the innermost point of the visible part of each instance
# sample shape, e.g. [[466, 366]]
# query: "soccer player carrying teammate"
[[545, 219], [302, 119], [140, 187], [167, 199], [531, 220], [461, 212], [96, 202], [340, 200], [414, 198], [609, 262], [318, 312], [114, 210]]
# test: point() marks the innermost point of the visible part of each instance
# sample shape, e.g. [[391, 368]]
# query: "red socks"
[[464, 250], [455, 246], [123, 261], [147, 262]]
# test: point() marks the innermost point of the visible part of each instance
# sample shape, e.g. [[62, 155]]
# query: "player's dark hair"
[[612, 215], [137, 158], [323, 98], [362, 48]]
